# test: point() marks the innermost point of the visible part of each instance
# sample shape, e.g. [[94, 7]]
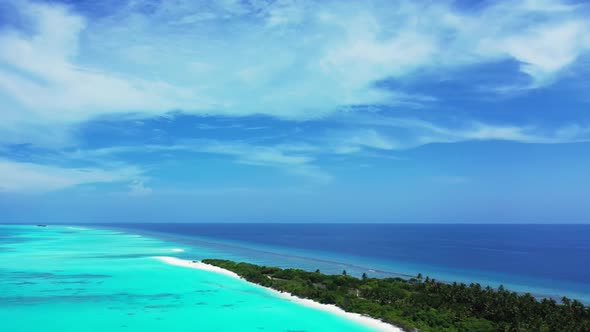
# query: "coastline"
[[370, 322], [540, 287]]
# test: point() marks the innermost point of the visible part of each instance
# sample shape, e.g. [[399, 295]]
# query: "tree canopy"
[[423, 304]]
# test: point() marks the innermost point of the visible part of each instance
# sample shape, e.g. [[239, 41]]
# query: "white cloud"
[[406, 133], [244, 152], [30, 177], [137, 188], [545, 51], [280, 156], [373, 136], [287, 59], [368, 53], [41, 73], [354, 141], [293, 159]]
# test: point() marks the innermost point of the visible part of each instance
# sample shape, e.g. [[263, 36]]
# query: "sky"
[[294, 111]]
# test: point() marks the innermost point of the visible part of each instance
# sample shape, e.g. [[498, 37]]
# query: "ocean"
[[66, 279], [544, 260], [104, 277]]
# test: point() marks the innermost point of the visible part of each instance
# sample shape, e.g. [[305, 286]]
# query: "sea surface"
[[104, 277], [68, 278], [544, 260]]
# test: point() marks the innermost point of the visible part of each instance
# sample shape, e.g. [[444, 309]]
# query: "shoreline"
[[370, 322], [538, 288]]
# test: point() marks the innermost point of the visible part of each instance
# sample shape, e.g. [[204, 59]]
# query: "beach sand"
[[365, 320]]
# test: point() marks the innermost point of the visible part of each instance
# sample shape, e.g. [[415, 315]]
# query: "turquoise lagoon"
[[63, 278]]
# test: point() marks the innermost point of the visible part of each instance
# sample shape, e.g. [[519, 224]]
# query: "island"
[[421, 304]]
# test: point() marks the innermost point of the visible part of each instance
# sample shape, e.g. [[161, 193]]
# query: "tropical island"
[[422, 304]]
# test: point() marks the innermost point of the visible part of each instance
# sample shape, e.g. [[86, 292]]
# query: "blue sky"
[[294, 111]]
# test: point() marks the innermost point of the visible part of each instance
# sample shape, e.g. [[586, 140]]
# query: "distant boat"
[[41, 225]]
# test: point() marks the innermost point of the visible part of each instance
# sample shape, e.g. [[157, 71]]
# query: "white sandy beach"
[[195, 265], [365, 320]]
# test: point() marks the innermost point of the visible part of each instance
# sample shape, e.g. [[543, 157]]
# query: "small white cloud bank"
[[137, 188]]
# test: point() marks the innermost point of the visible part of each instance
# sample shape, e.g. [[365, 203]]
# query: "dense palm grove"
[[422, 304]]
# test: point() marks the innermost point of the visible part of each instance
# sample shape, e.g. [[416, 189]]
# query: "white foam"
[[196, 265], [177, 250], [362, 319], [78, 228]]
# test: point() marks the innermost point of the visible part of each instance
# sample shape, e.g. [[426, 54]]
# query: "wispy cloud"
[[43, 65], [138, 188], [353, 141], [389, 133], [373, 136], [544, 51], [30, 177], [285, 157], [294, 159]]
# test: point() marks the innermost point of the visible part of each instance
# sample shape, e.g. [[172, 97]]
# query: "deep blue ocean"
[[545, 260]]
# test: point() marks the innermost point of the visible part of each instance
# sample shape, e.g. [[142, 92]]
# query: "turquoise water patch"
[[61, 278]]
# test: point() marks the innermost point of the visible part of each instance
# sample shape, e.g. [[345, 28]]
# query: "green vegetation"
[[423, 304]]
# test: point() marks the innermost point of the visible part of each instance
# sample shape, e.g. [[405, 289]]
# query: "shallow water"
[[62, 278]]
